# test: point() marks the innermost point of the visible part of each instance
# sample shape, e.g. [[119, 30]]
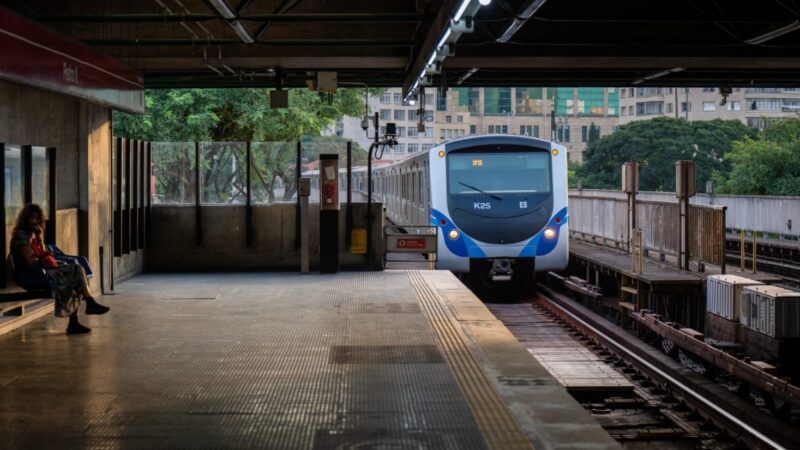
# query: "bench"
[[19, 306]]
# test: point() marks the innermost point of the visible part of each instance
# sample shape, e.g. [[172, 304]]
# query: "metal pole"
[[303, 191], [198, 222], [348, 228], [297, 172], [755, 252], [741, 250], [724, 240], [369, 191], [248, 201]]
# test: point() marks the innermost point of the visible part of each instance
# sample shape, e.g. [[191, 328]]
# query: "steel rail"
[[673, 382]]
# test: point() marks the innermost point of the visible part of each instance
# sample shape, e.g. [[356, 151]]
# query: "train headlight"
[[453, 234], [549, 233]]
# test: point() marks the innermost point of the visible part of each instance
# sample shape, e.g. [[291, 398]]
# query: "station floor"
[[380, 360]]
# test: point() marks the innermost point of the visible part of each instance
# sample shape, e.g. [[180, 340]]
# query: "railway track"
[[667, 405]]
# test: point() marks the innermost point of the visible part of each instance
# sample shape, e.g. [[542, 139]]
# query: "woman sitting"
[[36, 268]]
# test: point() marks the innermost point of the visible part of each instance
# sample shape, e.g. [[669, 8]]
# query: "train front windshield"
[[517, 172]]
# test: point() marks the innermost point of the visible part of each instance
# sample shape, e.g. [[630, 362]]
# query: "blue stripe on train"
[[538, 245], [463, 246]]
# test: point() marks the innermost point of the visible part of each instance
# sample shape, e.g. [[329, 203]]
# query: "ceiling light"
[[525, 13], [461, 9], [464, 77], [223, 9], [659, 74], [484, 2], [776, 33]]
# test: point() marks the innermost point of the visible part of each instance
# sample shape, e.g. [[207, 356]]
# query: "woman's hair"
[[25, 213]]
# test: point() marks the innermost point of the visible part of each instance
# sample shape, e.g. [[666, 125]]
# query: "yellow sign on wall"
[[358, 241]]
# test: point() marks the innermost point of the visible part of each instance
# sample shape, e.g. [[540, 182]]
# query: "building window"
[[497, 101], [591, 101], [412, 148], [649, 108], [429, 115], [529, 102], [386, 114], [563, 133], [763, 90], [399, 114], [469, 98], [686, 107], [448, 119], [529, 130], [613, 102], [649, 91], [412, 132], [460, 118], [586, 132], [709, 89], [790, 105], [412, 114], [441, 103], [398, 97], [473, 129], [427, 147], [734, 106], [563, 99], [400, 148], [763, 104], [401, 131], [668, 107], [709, 106], [386, 97], [429, 132]]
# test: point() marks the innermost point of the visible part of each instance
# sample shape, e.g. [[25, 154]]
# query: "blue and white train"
[[499, 202]]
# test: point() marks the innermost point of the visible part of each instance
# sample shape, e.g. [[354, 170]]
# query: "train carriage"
[[499, 201]]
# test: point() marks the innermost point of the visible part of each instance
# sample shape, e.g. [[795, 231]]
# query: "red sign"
[[411, 243], [37, 56]]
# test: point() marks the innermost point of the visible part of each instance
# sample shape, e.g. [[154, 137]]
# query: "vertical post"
[[303, 191], [329, 213], [369, 191], [630, 185], [723, 239], [27, 173], [742, 243], [198, 219], [134, 157], [126, 211], [755, 252], [117, 232], [349, 212], [684, 189], [52, 194], [248, 208], [140, 194], [297, 172], [149, 193], [3, 243]]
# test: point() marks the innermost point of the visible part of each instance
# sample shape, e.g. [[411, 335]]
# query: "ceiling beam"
[[303, 42]]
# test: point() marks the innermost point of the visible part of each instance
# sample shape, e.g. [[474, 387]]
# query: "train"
[[498, 202]]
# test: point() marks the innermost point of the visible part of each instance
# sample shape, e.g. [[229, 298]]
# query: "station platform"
[[394, 359]]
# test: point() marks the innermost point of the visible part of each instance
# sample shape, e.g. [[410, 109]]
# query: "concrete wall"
[[768, 214], [173, 246], [81, 133]]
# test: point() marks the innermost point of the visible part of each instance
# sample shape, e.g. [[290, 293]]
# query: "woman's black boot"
[[92, 307], [76, 328]]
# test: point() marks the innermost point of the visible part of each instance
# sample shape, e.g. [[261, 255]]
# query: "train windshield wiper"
[[482, 192]]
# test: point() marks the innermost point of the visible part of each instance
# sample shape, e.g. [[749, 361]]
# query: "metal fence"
[[602, 217]]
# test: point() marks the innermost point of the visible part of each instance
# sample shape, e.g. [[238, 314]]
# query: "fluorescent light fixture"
[[443, 40], [223, 9], [461, 9], [431, 59], [484, 2], [525, 13], [776, 33], [244, 35], [659, 74], [464, 77]]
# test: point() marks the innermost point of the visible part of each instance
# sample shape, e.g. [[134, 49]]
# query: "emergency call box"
[[329, 181]]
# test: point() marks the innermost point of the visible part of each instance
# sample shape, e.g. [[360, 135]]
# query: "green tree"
[[656, 144], [223, 119], [768, 164], [593, 134]]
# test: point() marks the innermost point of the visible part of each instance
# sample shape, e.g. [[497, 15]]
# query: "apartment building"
[[754, 107], [579, 113]]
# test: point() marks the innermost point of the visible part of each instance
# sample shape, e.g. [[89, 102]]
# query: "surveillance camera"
[[365, 123]]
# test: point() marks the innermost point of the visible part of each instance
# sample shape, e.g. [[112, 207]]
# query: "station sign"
[[415, 243], [34, 55]]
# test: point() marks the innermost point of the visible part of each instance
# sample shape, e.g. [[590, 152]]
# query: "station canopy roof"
[[186, 43]]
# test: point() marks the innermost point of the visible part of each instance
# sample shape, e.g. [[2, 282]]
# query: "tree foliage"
[[656, 144], [767, 164], [223, 119]]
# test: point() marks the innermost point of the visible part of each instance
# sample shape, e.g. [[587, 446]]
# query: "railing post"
[[684, 189], [755, 252], [742, 255], [198, 219]]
